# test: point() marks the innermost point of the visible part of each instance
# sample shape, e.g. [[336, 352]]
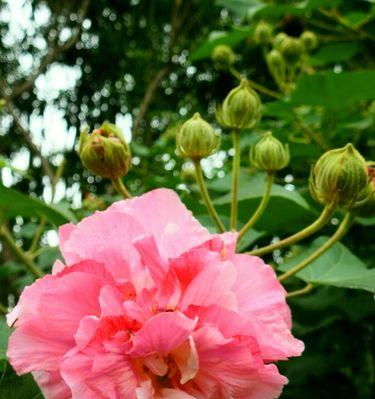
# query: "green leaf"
[[15, 387], [6, 164], [14, 203], [334, 52], [314, 4], [4, 335], [235, 36], [337, 267], [295, 210], [334, 89], [238, 7]]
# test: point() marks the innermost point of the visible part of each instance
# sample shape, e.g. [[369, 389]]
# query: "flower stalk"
[[120, 188], [206, 197], [261, 207], [19, 253], [306, 232], [305, 290], [235, 178], [340, 232]]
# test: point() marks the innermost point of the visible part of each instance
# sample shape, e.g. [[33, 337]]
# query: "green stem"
[[3, 309], [235, 178], [38, 234], [307, 231], [255, 85], [206, 197], [120, 188], [261, 207], [340, 232], [305, 290], [20, 254]]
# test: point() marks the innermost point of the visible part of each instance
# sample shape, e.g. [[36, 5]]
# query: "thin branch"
[[148, 96], [19, 253], [305, 290], [52, 54], [177, 22], [28, 138]]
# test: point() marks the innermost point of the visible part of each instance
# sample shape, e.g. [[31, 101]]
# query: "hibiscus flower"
[[149, 304]]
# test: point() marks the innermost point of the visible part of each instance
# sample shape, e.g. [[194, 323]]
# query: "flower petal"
[[163, 215], [161, 334], [265, 309]]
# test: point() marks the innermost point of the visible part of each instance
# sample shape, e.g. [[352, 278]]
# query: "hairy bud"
[[223, 56], [269, 154], [279, 39], [365, 206], [241, 108], [339, 176], [263, 33], [105, 151], [292, 50], [309, 40], [276, 64], [196, 138]]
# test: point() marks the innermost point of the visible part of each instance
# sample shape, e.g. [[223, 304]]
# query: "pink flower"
[[150, 305]]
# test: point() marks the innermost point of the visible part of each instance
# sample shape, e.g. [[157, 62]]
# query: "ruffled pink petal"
[[52, 385], [107, 238], [114, 378], [228, 368], [212, 285], [161, 334], [173, 394], [111, 301], [47, 333], [163, 215], [187, 360], [228, 322], [261, 301]]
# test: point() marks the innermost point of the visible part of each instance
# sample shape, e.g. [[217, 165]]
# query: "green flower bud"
[[278, 39], [339, 176], [241, 108], [365, 205], [292, 50], [263, 33], [196, 139], [223, 56], [105, 151], [276, 64], [269, 154], [309, 40]]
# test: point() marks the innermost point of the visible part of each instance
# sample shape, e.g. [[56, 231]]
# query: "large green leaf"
[[334, 89], [337, 267], [231, 39], [14, 203], [287, 210], [334, 52]]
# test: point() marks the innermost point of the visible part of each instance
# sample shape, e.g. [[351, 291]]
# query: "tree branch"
[[52, 55]]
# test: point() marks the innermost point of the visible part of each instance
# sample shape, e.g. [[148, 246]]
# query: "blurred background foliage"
[[147, 66]]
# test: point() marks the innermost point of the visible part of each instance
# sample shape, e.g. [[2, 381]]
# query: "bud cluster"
[[287, 56]]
